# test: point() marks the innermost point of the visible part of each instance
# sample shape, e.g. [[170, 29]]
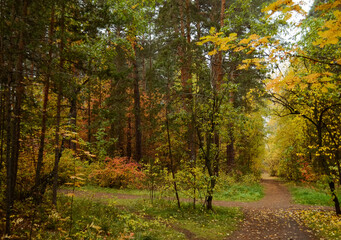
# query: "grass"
[[217, 224], [311, 194], [92, 219], [243, 192], [135, 219], [94, 188]]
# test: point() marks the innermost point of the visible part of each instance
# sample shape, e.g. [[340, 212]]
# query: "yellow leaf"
[[254, 37], [212, 30], [244, 41], [251, 51], [238, 49], [233, 35], [214, 52], [287, 16]]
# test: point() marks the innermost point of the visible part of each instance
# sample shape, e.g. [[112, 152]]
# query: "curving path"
[[270, 218]]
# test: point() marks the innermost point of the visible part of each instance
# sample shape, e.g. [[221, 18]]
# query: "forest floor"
[[273, 217]]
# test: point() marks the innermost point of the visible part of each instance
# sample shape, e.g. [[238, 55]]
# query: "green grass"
[[93, 188], [137, 218], [217, 224], [243, 192], [92, 219], [311, 195]]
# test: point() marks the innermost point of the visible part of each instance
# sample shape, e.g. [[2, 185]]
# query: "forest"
[[170, 119]]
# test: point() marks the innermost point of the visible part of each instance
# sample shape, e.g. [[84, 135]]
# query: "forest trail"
[[272, 217]]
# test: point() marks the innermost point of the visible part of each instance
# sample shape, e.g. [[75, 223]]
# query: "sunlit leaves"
[[284, 6], [331, 31], [223, 43]]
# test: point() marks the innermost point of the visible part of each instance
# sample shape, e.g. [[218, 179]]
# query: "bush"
[[118, 172], [70, 166]]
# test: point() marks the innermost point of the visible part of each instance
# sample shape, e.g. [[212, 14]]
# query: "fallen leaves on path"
[[326, 224], [271, 224]]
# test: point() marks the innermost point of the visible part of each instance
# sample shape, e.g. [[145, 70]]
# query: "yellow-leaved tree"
[[306, 77]]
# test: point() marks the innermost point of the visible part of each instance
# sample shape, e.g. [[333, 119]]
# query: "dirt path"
[[269, 218]]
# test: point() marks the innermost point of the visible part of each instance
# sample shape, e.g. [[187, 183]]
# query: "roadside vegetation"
[[312, 194]]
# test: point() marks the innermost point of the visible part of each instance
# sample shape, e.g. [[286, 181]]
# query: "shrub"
[[118, 172]]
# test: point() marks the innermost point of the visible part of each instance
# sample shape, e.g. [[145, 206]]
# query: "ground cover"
[[105, 217], [311, 194], [324, 223], [243, 192], [273, 217]]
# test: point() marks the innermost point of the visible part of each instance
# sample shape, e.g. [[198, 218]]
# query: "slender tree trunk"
[[230, 153], [230, 149], [89, 115], [9, 160], [57, 149], [45, 102], [171, 160], [2, 126], [137, 111], [12, 161], [73, 119], [327, 170], [129, 138]]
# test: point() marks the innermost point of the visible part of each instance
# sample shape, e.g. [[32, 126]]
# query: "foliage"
[[70, 165], [97, 220], [157, 177], [192, 182], [118, 172]]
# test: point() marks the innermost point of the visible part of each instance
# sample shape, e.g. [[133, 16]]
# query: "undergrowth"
[[93, 218], [312, 194]]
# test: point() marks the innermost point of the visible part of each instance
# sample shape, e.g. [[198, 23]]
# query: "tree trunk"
[[137, 111], [89, 115], [230, 150], [58, 150], [73, 120], [12, 160], [335, 198], [171, 160], [209, 205], [129, 138], [45, 102], [230, 153], [326, 169], [2, 126]]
